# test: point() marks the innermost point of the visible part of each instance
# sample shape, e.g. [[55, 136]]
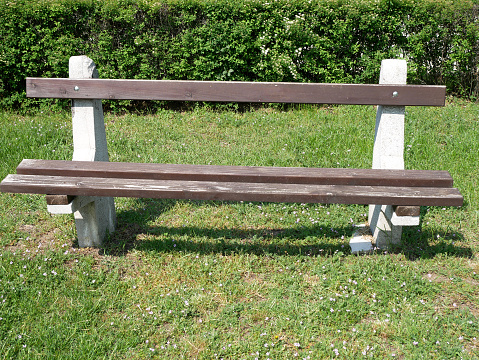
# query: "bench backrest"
[[250, 92]]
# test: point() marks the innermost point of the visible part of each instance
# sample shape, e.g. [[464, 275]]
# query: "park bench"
[[86, 185]]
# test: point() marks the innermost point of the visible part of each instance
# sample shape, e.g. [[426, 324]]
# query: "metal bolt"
[[395, 94], [76, 88]]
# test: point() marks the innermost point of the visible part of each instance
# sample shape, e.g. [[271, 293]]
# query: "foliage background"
[[267, 40]]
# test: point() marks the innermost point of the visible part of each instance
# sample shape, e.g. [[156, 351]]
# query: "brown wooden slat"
[[288, 175], [407, 210], [235, 191], [59, 199], [254, 92]]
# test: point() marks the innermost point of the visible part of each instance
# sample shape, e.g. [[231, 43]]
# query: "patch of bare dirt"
[[441, 278], [456, 302], [253, 278]]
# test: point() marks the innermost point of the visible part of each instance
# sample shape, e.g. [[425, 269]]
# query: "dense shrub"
[[283, 40]]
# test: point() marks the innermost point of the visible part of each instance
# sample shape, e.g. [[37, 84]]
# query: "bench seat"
[[235, 183]]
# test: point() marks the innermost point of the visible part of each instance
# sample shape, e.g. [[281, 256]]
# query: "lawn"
[[241, 280]]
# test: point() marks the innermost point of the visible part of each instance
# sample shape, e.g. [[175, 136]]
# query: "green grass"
[[232, 280]]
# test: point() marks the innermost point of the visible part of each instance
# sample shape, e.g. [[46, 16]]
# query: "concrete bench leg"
[[95, 221], [96, 217], [388, 153]]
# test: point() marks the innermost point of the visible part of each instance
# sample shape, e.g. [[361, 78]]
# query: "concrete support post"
[[96, 218], [388, 152]]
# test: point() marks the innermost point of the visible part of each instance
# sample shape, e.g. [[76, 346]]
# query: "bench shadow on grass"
[[416, 243], [134, 232]]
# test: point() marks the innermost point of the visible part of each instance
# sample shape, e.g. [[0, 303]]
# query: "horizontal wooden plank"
[[59, 199], [234, 191], [407, 210], [233, 91], [253, 174]]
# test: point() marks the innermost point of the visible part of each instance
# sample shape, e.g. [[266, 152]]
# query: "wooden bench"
[[86, 185]]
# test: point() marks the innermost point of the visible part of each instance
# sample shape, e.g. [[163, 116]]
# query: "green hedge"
[[283, 40]]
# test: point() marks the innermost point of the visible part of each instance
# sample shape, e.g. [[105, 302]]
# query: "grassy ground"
[[212, 280]]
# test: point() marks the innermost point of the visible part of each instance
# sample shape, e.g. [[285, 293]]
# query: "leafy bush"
[[283, 40]]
